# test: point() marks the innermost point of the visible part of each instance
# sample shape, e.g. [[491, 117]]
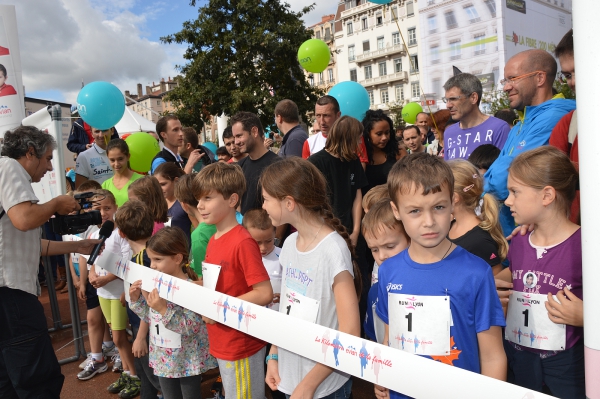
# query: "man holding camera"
[[28, 365], [287, 119]]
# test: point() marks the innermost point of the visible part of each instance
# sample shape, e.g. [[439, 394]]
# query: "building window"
[[368, 72], [385, 97], [365, 24], [414, 63], [349, 28], [395, 38], [379, 18], [371, 97], [410, 9], [415, 89], [432, 24], [450, 20], [397, 65], [455, 49], [350, 3], [320, 77], [311, 79], [472, 13], [382, 68], [330, 75], [399, 93], [435, 54], [436, 84], [353, 76], [380, 43], [157, 102], [366, 47], [394, 13], [351, 56], [412, 37], [327, 34], [491, 5], [479, 44], [318, 35]]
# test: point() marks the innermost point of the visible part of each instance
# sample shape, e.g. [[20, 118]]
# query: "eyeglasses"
[[512, 80], [452, 99]]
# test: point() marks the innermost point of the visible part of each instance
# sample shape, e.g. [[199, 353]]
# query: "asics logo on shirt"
[[393, 287]]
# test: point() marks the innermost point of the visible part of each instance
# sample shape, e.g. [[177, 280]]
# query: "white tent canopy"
[[133, 122]]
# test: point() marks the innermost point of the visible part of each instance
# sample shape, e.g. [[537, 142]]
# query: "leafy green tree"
[[242, 56]]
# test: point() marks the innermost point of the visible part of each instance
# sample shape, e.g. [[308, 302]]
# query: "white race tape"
[[402, 372]]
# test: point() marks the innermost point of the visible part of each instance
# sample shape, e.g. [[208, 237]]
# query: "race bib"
[[299, 306], [528, 324], [420, 324], [210, 275], [160, 335]]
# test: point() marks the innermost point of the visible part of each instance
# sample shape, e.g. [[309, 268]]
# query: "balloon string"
[[412, 63]]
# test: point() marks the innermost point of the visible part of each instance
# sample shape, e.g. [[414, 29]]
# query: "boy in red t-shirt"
[[233, 266]]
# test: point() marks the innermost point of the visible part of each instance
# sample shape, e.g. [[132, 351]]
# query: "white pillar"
[[587, 58], [222, 121]]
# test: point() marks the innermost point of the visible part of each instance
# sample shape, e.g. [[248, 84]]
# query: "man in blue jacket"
[[528, 79], [81, 138]]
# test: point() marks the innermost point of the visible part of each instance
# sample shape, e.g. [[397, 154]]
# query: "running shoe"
[[132, 389], [117, 364], [83, 364], [119, 384], [93, 367], [110, 352]]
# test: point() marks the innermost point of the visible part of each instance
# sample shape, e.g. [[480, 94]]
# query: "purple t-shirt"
[[460, 143], [554, 267]]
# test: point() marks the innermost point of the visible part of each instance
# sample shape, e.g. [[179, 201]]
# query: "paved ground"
[[95, 388]]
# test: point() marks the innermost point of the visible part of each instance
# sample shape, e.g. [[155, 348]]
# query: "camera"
[[75, 224]]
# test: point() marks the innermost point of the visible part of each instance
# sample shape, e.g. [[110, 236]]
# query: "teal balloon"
[[142, 148], [410, 112], [101, 104], [353, 99], [380, 1], [211, 146], [314, 55]]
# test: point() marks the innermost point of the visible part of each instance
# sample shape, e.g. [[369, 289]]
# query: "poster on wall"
[[12, 108]]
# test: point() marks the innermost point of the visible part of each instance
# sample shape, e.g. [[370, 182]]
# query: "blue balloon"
[[211, 146], [101, 104], [353, 98]]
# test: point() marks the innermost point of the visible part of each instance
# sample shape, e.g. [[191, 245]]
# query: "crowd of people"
[[360, 217]]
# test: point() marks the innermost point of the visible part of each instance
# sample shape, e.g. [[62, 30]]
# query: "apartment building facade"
[[378, 47]]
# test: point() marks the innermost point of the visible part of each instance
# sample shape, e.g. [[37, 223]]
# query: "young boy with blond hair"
[[385, 238], [437, 299], [233, 266]]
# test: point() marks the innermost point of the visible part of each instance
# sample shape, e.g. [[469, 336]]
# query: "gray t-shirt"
[[19, 250], [93, 164], [311, 274]]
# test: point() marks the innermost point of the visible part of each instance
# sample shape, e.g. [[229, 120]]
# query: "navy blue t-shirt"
[[466, 279]]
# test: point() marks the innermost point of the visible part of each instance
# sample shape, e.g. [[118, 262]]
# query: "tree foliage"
[[242, 56]]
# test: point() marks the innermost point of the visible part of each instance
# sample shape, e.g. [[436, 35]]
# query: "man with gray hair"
[[28, 364], [474, 128]]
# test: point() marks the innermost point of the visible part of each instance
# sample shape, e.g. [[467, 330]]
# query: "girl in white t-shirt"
[[317, 263]]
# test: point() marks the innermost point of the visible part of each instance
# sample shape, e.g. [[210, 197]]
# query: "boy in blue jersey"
[[437, 299]]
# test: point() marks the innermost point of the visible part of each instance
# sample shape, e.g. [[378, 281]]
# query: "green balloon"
[[314, 55], [142, 147], [410, 112]]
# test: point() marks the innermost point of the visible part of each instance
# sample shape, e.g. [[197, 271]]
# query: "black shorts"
[[91, 296]]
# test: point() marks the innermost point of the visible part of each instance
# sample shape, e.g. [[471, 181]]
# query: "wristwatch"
[[271, 357]]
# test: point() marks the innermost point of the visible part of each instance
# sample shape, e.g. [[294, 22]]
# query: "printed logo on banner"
[[242, 314], [5, 110], [123, 267], [160, 282]]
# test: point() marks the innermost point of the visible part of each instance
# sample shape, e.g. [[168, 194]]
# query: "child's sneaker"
[[117, 364], [92, 368], [109, 352], [86, 361], [119, 384], [217, 388], [132, 389]]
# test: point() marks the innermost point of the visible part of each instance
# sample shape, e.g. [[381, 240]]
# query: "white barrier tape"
[[399, 371]]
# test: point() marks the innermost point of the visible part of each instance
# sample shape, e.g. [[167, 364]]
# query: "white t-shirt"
[[311, 274], [19, 250], [93, 164], [271, 262], [119, 245], [316, 142]]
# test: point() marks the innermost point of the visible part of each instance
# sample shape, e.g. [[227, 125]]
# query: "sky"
[[63, 42]]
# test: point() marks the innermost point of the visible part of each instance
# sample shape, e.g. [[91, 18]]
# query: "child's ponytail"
[[489, 222]]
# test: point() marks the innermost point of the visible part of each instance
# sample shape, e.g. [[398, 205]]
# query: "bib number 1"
[[420, 324]]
